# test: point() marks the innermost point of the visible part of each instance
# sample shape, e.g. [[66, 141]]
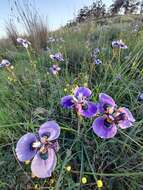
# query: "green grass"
[[35, 98]]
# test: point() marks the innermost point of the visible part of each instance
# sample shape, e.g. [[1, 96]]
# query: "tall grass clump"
[[34, 24]]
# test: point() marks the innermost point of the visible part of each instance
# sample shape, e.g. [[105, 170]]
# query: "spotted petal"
[[86, 92], [101, 130], [50, 129], [24, 150], [89, 111], [43, 168], [67, 102]]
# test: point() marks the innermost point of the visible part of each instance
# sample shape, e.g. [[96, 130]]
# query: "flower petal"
[[90, 111], [106, 99], [129, 119], [101, 130], [24, 150], [86, 92], [50, 129], [67, 101], [43, 168]]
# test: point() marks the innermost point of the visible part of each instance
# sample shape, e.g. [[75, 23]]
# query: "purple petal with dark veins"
[[24, 150], [50, 129], [67, 101], [89, 111], [101, 130]]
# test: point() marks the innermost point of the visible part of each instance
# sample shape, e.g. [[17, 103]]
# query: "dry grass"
[[34, 25]]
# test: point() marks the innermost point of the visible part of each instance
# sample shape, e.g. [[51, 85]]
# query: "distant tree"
[[116, 6], [83, 14], [98, 9], [129, 6]]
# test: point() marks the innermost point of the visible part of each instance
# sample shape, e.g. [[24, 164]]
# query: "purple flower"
[[80, 102], [5, 63], [106, 104], [119, 44], [105, 126], [41, 149], [57, 57], [24, 42], [54, 69]]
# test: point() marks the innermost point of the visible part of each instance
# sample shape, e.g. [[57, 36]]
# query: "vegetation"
[[30, 95]]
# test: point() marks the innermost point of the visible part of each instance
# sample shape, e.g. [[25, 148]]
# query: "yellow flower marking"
[[36, 187], [27, 162]]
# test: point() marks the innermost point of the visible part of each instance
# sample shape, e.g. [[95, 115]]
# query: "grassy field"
[[30, 95]]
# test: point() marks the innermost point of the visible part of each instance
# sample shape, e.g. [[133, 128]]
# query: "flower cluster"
[[119, 44], [42, 149], [24, 42], [108, 117], [58, 57], [95, 58]]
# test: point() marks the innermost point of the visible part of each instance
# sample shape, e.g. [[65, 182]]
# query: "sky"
[[58, 12]]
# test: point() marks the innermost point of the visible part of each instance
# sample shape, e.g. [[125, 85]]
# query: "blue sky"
[[58, 12]]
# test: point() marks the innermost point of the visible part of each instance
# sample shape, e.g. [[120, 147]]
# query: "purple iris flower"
[[24, 42], [110, 118], [57, 57], [54, 69], [5, 63], [80, 102], [42, 149], [119, 44]]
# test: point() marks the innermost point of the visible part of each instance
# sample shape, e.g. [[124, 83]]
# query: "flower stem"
[[78, 124]]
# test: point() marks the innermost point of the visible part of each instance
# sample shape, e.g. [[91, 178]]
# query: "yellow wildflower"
[[99, 183], [68, 168], [84, 180]]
